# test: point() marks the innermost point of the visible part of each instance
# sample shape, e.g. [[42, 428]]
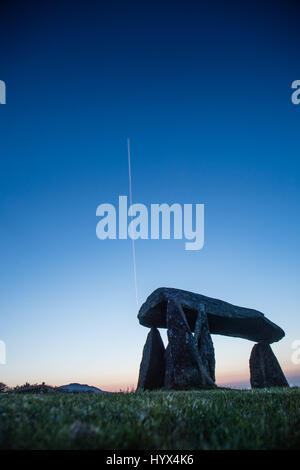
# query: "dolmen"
[[188, 361]]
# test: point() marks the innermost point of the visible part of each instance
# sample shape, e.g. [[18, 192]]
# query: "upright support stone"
[[152, 368], [184, 356], [265, 370], [204, 343], [169, 381]]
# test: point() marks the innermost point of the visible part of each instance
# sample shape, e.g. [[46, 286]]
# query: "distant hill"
[[78, 388]]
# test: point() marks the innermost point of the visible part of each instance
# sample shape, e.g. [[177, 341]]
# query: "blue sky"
[[204, 93]]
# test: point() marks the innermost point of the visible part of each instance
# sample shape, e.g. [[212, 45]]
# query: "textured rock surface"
[[265, 370], [152, 368], [204, 343], [169, 370], [223, 317], [184, 366]]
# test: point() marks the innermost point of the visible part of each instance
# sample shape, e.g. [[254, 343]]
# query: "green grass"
[[219, 419]]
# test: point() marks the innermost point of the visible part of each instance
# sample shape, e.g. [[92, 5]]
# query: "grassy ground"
[[220, 419]]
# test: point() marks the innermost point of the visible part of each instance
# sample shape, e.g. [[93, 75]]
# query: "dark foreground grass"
[[220, 419]]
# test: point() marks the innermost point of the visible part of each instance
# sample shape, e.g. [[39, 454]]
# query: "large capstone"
[[265, 370], [152, 368], [223, 318], [185, 369]]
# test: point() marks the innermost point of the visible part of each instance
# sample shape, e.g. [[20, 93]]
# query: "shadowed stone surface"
[[265, 370], [223, 318], [152, 368], [204, 343], [184, 367], [169, 369]]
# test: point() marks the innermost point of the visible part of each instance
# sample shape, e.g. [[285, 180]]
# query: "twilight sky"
[[203, 90]]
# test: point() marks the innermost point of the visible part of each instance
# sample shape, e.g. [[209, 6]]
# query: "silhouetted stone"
[[169, 370], [265, 370], [188, 370], [204, 343], [152, 368], [223, 318]]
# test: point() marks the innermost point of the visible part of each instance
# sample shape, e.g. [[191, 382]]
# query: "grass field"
[[219, 419]]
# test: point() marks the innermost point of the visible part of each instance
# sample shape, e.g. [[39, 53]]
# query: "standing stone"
[[169, 370], [265, 370], [187, 367], [152, 368], [204, 343]]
